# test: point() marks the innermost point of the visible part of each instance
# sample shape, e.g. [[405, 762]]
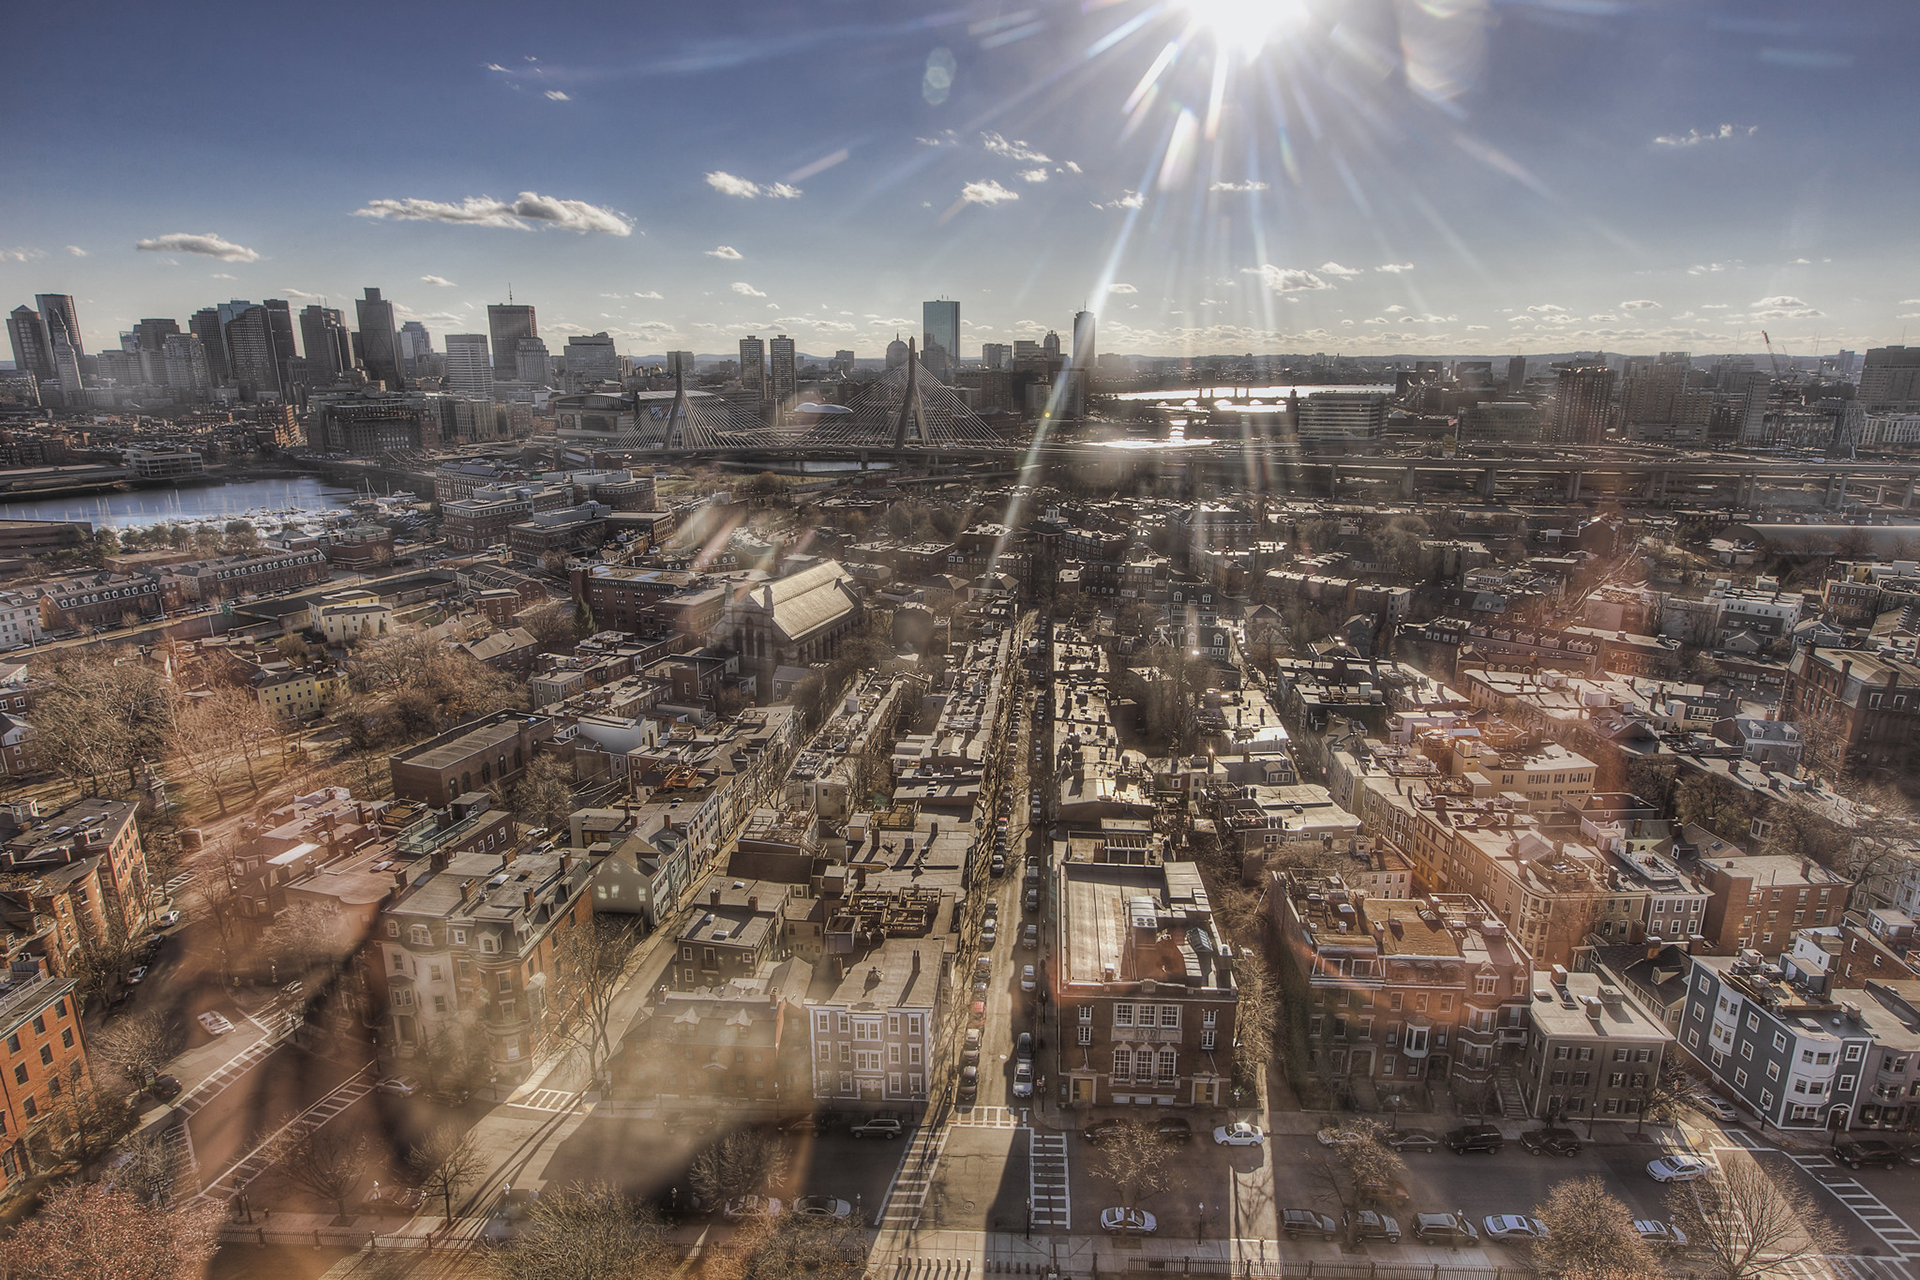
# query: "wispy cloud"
[[1707, 268], [218, 275], [651, 295], [731, 184], [1546, 308], [1117, 287], [558, 96], [438, 282], [1130, 200], [1238, 186], [987, 192], [1639, 304], [22, 255], [746, 290], [1033, 175], [1335, 269], [1693, 137], [726, 251], [1012, 150], [522, 213], [1394, 268], [1286, 279], [297, 293], [1783, 306], [76, 251], [207, 245]]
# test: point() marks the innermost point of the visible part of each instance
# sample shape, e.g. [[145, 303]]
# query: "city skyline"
[[1447, 193]]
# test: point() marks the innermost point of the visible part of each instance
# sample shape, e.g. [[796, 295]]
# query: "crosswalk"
[[907, 1195], [276, 1020], [257, 1161], [1864, 1205], [1047, 1180], [210, 1088], [549, 1100], [986, 1118]]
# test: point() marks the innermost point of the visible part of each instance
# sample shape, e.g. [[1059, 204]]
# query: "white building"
[[591, 361], [469, 365]]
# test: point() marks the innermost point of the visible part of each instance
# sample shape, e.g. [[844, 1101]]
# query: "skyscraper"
[[996, 355], [204, 324], [61, 305], [681, 361], [469, 365], [1582, 405], [32, 352], [532, 362], [416, 344], [507, 323], [940, 327], [1516, 374], [785, 380], [280, 324], [753, 366], [328, 342], [150, 345], [1050, 345], [591, 360], [1890, 380], [379, 343], [186, 362], [1079, 370], [251, 351]]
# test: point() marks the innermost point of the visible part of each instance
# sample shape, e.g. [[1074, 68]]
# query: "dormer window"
[[489, 944], [419, 935]]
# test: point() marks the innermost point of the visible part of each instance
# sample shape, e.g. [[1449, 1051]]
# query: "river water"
[[191, 504]]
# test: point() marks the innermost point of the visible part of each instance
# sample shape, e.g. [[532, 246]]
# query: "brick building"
[[1758, 902], [1853, 707], [45, 1069], [478, 754]]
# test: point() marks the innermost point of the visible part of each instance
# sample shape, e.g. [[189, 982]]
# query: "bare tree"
[[1592, 1235], [582, 1232], [1369, 1168], [1134, 1159], [1255, 1016], [325, 1162], [89, 1119], [205, 747], [1659, 1093], [103, 957], [589, 970], [446, 1161], [85, 1232], [149, 1170], [796, 1246], [303, 936], [138, 1046], [543, 796], [1744, 1225], [742, 1163]]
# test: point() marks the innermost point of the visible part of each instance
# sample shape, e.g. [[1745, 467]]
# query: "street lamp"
[[1394, 1102], [1200, 1225], [1029, 1231]]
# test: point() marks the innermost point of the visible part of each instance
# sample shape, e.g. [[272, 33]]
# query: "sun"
[[1240, 24]]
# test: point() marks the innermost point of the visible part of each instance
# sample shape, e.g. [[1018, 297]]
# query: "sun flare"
[[1240, 24]]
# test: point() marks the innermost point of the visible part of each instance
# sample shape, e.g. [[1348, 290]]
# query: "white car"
[[1679, 1169], [215, 1024], [1239, 1134], [1023, 1080], [1330, 1136], [397, 1086], [166, 920], [1132, 1222], [1717, 1107], [989, 933], [1027, 981], [742, 1207], [1660, 1233], [823, 1207], [1512, 1226]]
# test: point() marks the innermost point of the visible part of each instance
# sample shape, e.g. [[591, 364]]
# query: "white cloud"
[[438, 282], [516, 214], [1238, 186], [1784, 306], [1072, 167], [726, 251], [1603, 318], [1546, 308], [558, 96], [1015, 150], [1703, 268], [1396, 307], [1801, 262], [1693, 137], [494, 66], [1117, 287], [21, 255], [1033, 175], [728, 184], [1639, 304], [1286, 279], [746, 290], [1910, 302], [1131, 200], [781, 191], [652, 295], [931, 142], [218, 275], [76, 251], [1335, 269], [1472, 327], [986, 192], [207, 245], [298, 293], [1715, 306], [1394, 268]]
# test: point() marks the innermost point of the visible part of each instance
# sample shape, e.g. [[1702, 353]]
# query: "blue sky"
[[1443, 176]]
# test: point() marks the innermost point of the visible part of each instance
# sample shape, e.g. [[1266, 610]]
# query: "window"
[[393, 928], [1206, 1040], [1484, 984], [1773, 1071], [1085, 1013], [1122, 1016], [1693, 1039], [1562, 1052], [458, 937], [489, 944], [1585, 1054], [29, 1106], [1753, 1021], [913, 1025], [1746, 1050], [19, 1073], [893, 1024], [1083, 1035], [1854, 1052], [419, 936], [1122, 1063], [1169, 1015], [1615, 1079], [1846, 1084], [1313, 1024], [1779, 1042], [893, 1055], [1740, 1078], [66, 1037], [1394, 1001], [1207, 1018], [1168, 1060]]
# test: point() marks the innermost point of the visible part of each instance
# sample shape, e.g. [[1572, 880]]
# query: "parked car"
[[1174, 1129], [166, 920], [1305, 1222], [998, 867], [1678, 1168], [1100, 1130], [983, 965], [1855, 1152], [1240, 1133], [741, 1208], [1551, 1142], [1023, 1080], [1027, 979], [823, 1207], [397, 1086], [1023, 1047], [1412, 1140], [136, 975], [1445, 1228], [1128, 1222], [989, 933], [977, 1012], [165, 1088], [1475, 1137], [970, 1053], [1514, 1226], [393, 1198], [879, 1127], [215, 1024], [1332, 1135], [1030, 937], [1660, 1234], [1368, 1225], [1714, 1105], [1032, 900]]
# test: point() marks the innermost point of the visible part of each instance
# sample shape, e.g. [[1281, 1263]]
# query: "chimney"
[[526, 897], [566, 863], [438, 860], [400, 879], [916, 962], [753, 903], [466, 890], [713, 896]]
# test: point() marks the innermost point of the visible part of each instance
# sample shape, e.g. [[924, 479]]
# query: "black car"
[[1305, 1222], [1412, 1140], [1475, 1138], [165, 1088], [1551, 1142], [1855, 1152], [1100, 1130], [1368, 1225], [1174, 1129]]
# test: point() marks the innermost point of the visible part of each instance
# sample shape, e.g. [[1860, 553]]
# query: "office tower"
[[531, 362], [379, 342], [251, 351], [205, 325], [416, 344], [184, 357], [280, 324], [149, 340], [328, 341], [1583, 402], [680, 362], [896, 354], [940, 325], [784, 381], [507, 323], [589, 360], [1050, 345], [1026, 355], [1516, 374], [842, 363], [1843, 364], [65, 345], [753, 366], [32, 352], [996, 355], [1079, 369], [1890, 380], [61, 305], [469, 365]]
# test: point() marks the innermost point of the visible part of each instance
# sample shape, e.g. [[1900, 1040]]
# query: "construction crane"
[[1772, 359]]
